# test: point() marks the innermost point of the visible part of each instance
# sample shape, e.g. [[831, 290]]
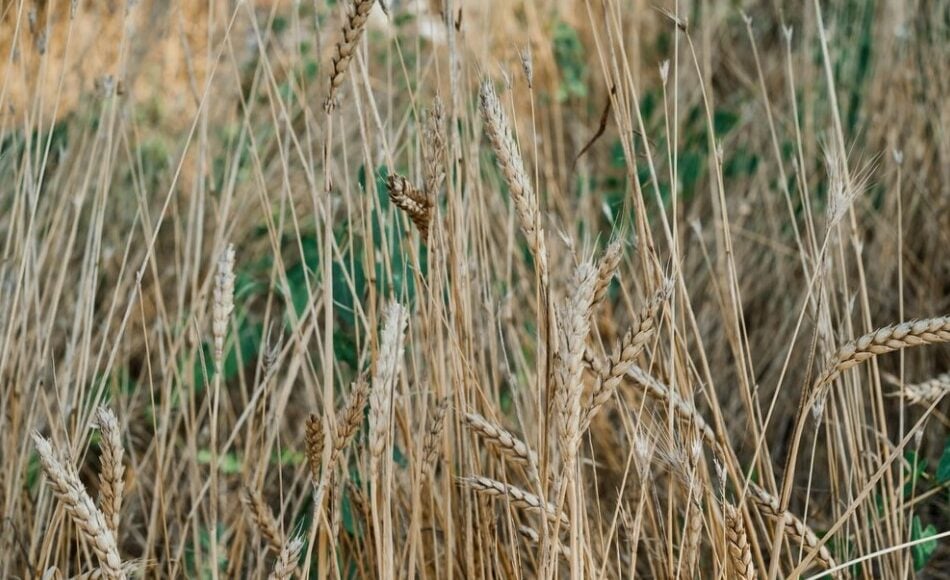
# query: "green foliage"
[[923, 551], [569, 55], [943, 468]]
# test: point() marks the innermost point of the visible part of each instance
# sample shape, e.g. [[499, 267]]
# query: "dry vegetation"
[[491, 289]]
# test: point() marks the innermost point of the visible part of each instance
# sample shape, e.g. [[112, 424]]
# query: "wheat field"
[[474, 289]]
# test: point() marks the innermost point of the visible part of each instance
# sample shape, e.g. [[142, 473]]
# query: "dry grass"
[[474, 290]]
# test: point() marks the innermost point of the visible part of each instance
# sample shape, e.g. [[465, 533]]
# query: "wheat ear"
[[223, 303], [82, 511], [314, 440], [433, 149], [509, 160], [430, 446], [504, 443], [351, 417], [738, 549], [384, 379], [287, 561], [633, 342], [606, 270], [111, 476], [516, 496], [884, 340], [534, 538], [685, 411], [572, 341], [263, 519], [357, 12], [416, 204], [928, 391], [768, 506]]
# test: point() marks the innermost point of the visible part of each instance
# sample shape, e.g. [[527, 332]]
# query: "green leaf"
[[943, 468], [923, 551]]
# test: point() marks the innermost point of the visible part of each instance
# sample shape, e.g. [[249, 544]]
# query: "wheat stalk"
[[111, 476], [287, 561], [769, 506], [504, 443], [357, 12], [417, 204], [82, 511], [738, 549], [263, 519], [517, 497]]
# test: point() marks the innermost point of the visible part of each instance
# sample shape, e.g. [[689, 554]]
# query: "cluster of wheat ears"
[[518, 404]]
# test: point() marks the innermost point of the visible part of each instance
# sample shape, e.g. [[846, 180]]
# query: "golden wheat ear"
[[357, 13], [111, 477], [81, 509]]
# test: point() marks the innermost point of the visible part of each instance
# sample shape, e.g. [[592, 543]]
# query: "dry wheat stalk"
[[738, 549], [769, 507], [223, 303], [517, 497], [314, 437], [111, 476], [639, 334], [287, 561], [416, 204], [504, 443], [884, 340], [263, 519], [572, 341], [433, 149], [384, 378], [81, 509], [430, 447], [357, 12]]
